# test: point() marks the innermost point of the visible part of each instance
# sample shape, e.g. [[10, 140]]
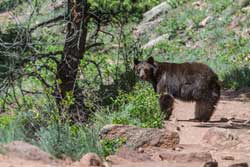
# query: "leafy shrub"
[[139, 107]]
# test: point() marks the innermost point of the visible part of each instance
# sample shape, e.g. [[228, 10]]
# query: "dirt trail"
[[221, 138]]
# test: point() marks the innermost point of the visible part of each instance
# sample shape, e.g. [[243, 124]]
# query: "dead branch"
[[58, 18], [39, 56], [93, 45]]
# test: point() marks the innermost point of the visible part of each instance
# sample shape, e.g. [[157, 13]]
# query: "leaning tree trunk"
[[67, 69]]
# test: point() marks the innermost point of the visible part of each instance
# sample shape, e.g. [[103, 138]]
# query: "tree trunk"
[[67, 69]]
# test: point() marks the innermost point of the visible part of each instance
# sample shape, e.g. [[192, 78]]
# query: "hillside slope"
[[215, 32]]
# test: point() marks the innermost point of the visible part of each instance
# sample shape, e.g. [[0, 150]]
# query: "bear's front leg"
[[166, 102]]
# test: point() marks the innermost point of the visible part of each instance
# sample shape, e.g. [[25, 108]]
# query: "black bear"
[[186, 81]]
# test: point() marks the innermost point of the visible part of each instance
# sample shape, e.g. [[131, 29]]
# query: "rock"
[[146, 27], [204, 22], [156, 157], [246, 9], [224, 119], [156, 11], [116, 160], [184, 157], [155, 41], [199, 4], [243, 3], [132, 155], [140, 150], [27, 151], [56, 5], [151, 19], [91, 159], [178, 128], [235, 22], [178, 148], [227, 158], [220, 138], [239, 165], [141, 137], [211, 164]]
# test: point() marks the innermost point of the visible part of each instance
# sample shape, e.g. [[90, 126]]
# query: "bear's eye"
[[137, 70]]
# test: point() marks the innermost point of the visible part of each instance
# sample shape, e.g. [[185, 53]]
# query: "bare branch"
[[38, 56], [40, 78], [31, 92], [94, 45], [108, 33], [58, 18], [97, 65]]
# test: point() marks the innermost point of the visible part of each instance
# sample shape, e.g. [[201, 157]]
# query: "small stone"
[[224, 120], [227, 158], [211, 164], [204, 22], [140, 150], [156, 157], [178, 148], [239, 165], [91, 159]]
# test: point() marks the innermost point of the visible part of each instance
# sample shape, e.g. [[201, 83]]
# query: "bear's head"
[[145, 69]]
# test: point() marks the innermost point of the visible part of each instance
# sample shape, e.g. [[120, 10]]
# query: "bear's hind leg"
[[204, 110]]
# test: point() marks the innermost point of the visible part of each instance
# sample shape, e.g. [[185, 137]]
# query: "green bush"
[[139, 107]]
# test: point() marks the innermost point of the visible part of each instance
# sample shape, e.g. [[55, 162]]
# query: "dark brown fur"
[[186, 81]]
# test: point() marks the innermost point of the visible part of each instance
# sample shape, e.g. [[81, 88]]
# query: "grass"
[[69, 140], [11, 128]]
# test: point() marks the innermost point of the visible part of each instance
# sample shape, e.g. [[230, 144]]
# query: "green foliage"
[[71, 140], [139, 107], [176, 3], [109, 146], [9, 4], [133, 9], [237, 78], [220, 5]]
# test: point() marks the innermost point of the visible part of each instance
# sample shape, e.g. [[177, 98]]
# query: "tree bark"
[[74, 49]]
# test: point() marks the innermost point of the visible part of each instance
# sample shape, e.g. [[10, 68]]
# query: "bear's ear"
[[150, 60], [136, 61]]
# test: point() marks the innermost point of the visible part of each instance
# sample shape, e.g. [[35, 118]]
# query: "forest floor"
[[226, 138]]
